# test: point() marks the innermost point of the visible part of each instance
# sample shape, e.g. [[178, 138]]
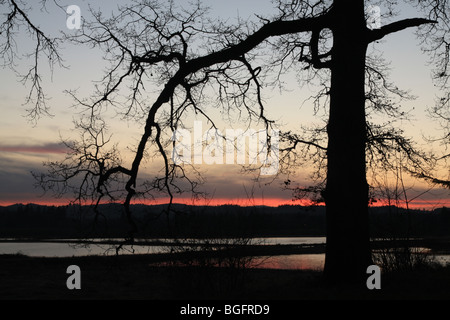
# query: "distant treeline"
[[35, 221]]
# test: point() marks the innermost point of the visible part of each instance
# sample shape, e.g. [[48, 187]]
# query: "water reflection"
[[292, 262]]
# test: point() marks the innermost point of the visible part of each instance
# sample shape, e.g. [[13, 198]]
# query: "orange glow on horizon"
[[417, 204], [270, 202]]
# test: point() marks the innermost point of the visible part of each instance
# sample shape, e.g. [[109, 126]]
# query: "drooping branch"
[[43, 44], [436, 181], [194, 65]]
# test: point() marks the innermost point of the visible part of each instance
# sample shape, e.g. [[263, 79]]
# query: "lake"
[[61, 248], [64, 249]]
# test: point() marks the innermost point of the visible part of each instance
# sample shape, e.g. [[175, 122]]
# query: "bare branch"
[[43, 45], [378, 34]]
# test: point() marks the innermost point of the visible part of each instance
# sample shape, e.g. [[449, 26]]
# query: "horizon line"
[[271, 202]]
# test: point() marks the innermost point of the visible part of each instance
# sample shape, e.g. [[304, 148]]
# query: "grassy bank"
[[137, 277]]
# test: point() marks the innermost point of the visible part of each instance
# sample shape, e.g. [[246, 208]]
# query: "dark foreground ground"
[[133, 277]]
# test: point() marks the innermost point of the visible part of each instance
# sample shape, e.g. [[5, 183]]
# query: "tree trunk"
[[346, 195]]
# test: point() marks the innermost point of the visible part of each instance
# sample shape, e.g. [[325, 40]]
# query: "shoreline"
[[439, 245], [157, 276], [147, 277]]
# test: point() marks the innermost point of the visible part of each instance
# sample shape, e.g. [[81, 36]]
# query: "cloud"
[[16, 164], [17, 186], [224, 183], [46, 148], [228, 184]]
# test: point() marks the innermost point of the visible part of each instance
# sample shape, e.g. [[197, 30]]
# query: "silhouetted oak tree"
[[180, 54]]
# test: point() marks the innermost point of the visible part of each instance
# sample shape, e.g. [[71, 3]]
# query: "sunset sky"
[[24, 145]]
